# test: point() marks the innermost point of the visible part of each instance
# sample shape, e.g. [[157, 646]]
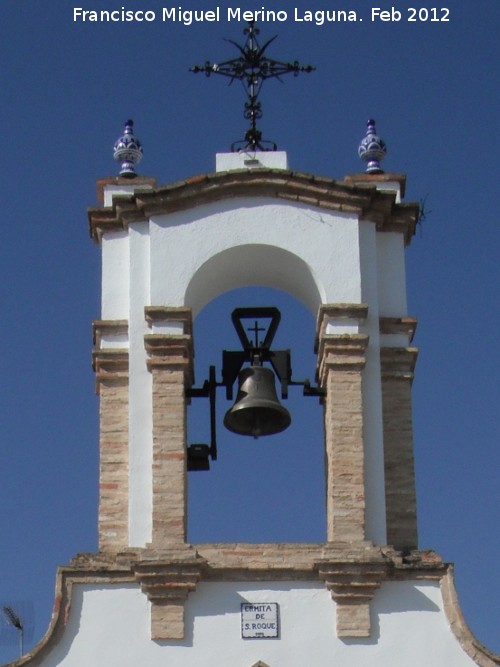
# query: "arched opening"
[[270, 489], [255, 264]]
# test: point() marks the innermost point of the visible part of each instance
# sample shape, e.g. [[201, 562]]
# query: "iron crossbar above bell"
[[257, 410]]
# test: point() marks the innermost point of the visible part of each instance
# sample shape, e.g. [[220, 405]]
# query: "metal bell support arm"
[[207, 391]]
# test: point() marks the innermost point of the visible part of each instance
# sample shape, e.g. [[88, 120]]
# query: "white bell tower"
[[367, 594], [336, 246]]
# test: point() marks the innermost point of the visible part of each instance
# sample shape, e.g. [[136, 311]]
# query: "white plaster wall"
[[326, 243], [391, 274], [373, 434], [110, 626], [251, 160], [390, 186], [115, 276], [394, 340], [116, 342], [252, 264], [140, 392], [320, 246], [111, 191]]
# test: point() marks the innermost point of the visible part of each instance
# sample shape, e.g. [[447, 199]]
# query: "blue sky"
[[68, 87]]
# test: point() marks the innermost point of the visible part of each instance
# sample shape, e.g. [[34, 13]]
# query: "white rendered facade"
[[113, 623]]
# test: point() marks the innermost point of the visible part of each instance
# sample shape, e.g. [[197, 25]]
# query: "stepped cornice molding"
[[362, 200]]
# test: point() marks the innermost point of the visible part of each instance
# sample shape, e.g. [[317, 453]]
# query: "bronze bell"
[[257, 410]]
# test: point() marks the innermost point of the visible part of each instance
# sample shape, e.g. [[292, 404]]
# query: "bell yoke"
[[257, 411]]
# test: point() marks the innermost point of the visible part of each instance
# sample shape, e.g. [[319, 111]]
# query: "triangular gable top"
[[365, 201]]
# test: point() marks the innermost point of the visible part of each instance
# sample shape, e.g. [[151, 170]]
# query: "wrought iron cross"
[[252, 68]]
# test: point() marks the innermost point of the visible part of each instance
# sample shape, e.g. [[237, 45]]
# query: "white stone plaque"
[[259, 620]]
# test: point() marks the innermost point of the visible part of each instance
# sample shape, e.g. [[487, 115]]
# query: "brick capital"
[[170, 352], [110, 367], [341, 352], [398, 363]]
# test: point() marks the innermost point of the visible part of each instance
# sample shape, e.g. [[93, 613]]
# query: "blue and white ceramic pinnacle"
[[128, 151], [372, 149]]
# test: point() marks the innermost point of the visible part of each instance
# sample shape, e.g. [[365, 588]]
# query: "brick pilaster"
[[170, 360], [352, 585], [341, 359], [111, 368], [167, 578], [397, 366]]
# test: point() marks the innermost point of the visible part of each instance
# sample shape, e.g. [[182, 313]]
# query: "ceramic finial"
[[372, 149], [128, 151]]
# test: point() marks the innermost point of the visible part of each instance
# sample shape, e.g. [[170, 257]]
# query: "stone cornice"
[[362, 200], [230, 561]]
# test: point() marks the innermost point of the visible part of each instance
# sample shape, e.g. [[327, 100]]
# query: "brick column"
[[111, 368], [170, 360], [341, 359], [397, 366]]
